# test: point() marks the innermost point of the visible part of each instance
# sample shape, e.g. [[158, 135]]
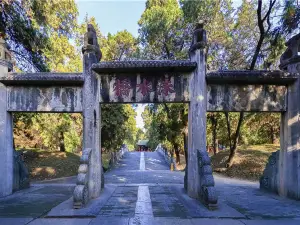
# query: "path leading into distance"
[[141, 189]]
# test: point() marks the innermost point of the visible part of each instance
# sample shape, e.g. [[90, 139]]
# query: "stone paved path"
[[141, 189]]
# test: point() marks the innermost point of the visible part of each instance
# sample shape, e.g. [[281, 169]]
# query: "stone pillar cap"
[[5, 55]]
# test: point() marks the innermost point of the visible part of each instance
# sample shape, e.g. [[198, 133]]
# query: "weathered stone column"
[[289, 157], [200, 182], [91, 111], [6, 128]]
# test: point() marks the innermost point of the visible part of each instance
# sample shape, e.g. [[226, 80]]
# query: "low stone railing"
[[207, 190], [116, 156], [81, 192], [166, 156], [269, 180]]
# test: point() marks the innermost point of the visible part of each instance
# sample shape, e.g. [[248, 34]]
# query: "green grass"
[[249, 162], [44, 165], [105, 160]]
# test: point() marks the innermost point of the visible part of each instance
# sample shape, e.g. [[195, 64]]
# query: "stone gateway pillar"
[[91, 111], [6, 146], [289, 158], [200, 181], [6, 127]]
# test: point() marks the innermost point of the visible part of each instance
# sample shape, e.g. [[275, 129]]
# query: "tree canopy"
[[46, 36]]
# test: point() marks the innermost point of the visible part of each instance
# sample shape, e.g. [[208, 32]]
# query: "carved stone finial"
[[200, 24], [291, 56], [199, 37], [91, 42], [5, 55]]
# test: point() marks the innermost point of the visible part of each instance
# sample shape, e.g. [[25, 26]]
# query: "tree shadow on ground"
[[45, 165], [249, 162]]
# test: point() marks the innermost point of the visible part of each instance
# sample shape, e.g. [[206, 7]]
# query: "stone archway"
[[155, 81]]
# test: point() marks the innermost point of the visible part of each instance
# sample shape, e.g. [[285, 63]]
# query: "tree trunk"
[[214, 121], [233, 148], [177, 156], [61, 142], [263, 33], [176, 148], [231, 157], [272, 135], [228, 128], [185, 144]]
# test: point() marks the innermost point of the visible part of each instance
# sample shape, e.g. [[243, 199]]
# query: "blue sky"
[[117, 15], [113, 15]]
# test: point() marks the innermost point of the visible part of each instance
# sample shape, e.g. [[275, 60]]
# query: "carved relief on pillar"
[[81, 192], [208, 194]]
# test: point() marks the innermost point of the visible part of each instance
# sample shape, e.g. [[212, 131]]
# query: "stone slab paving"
[[65, 209], [130, 161], [155, 161], [197, 210], [34, 202], [165, 203], [100, 220], [121, 203], [147, 176], [69, 221], [141, 221], [128, 170], [245, 197], [15, 221], [271, 222], [150, 194], [143, 205]]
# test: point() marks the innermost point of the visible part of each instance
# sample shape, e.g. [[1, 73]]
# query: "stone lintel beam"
[[141, 66], [276, 77], [43, 79]]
